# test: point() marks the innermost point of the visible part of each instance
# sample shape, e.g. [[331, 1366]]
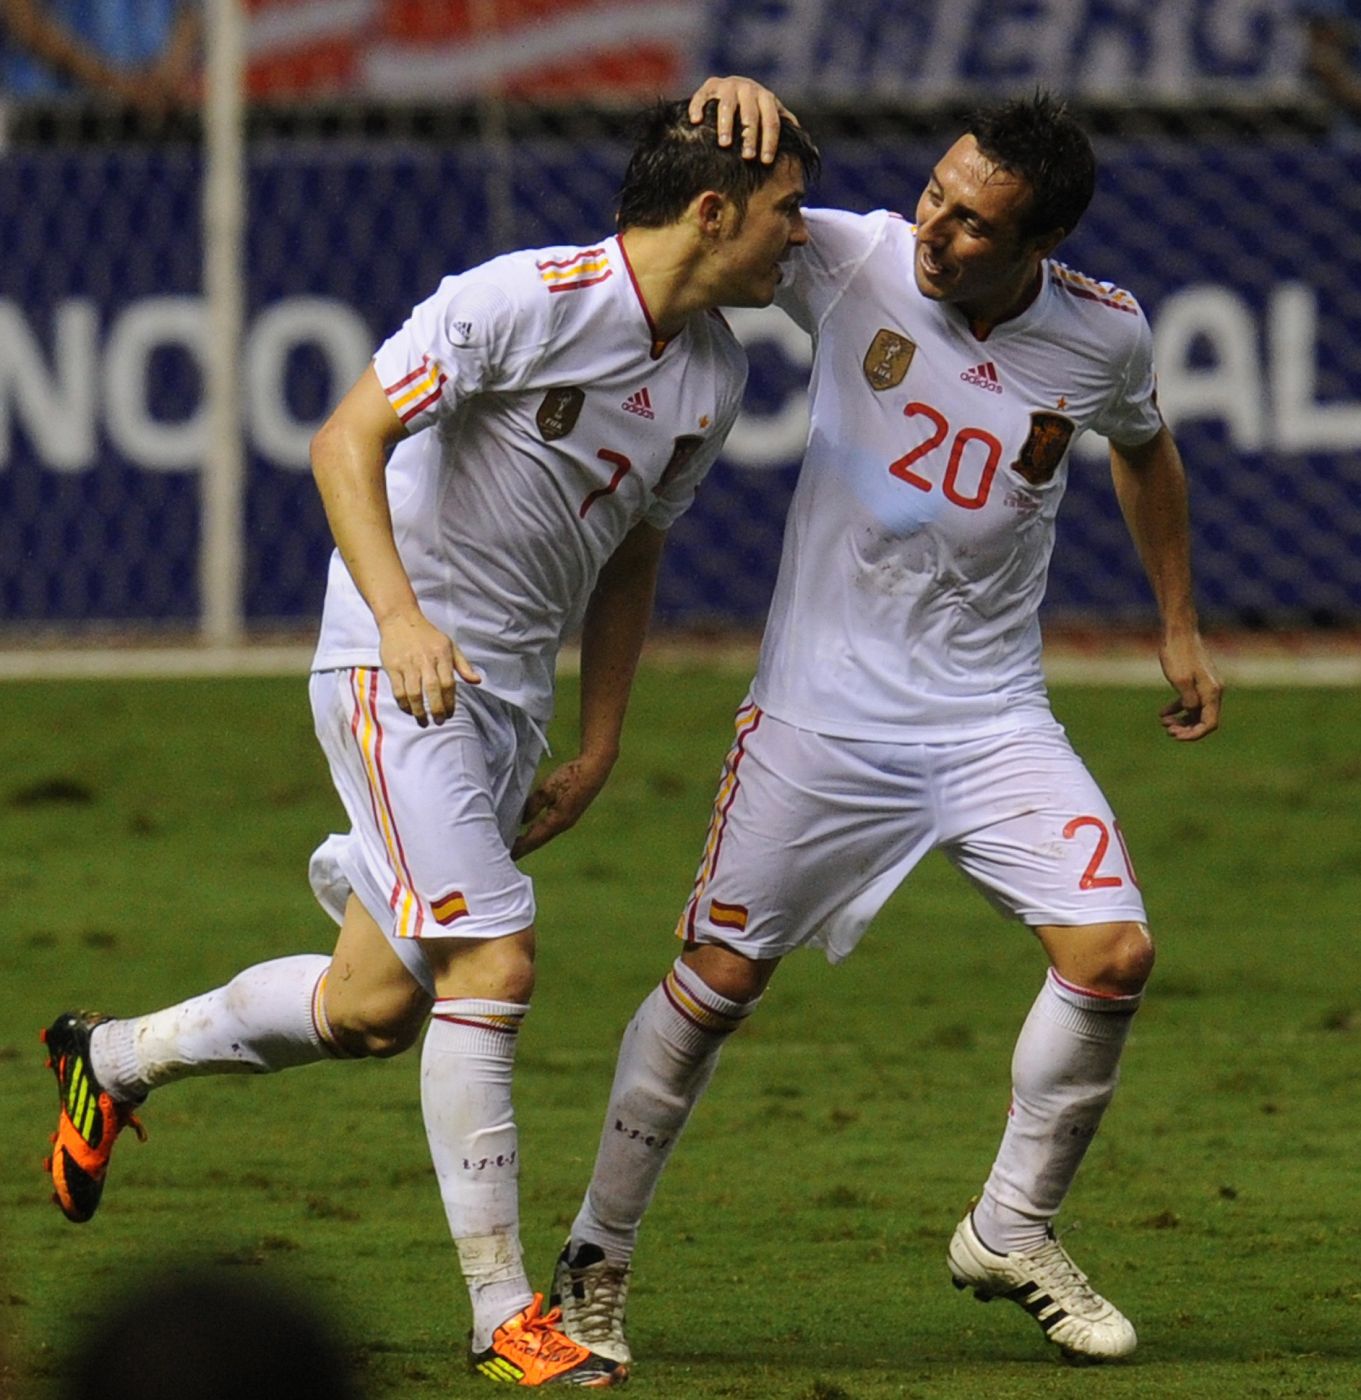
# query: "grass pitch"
[[154, 839]]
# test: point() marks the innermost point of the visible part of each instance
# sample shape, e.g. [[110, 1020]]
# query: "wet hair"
[[674, 160], [1038, 139]]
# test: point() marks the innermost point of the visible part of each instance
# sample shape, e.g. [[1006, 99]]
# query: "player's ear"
[[1045, 243], [712, 213]]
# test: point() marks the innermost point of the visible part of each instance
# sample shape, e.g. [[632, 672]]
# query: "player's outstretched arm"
[[611, 641], [349, 458], [1150, 483], [756, 110]]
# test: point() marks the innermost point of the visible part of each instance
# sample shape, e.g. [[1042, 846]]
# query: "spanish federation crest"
[[888, 359], [559, 411], [684, 448], [1045, 444]]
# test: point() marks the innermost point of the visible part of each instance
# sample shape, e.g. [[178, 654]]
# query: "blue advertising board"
[[1242, 254]]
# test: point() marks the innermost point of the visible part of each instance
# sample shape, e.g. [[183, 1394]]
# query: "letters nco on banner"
[[1243, 258]]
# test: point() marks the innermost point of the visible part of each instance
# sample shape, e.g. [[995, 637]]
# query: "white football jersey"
[[919, 536], [546, 422]]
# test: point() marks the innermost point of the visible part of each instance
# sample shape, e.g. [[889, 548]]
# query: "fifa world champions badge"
[[888, 359], [559, 411]]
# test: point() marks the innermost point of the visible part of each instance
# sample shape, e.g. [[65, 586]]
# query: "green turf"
[[154, 839]]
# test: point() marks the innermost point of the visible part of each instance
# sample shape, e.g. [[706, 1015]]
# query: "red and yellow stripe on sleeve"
[[417, 391], [586, 269]]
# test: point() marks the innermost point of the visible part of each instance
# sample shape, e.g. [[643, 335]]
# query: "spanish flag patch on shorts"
[[449, 907], [727, 915]]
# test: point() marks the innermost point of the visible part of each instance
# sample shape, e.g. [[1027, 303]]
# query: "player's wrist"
[[1181, 629], [401, 614], [599, 758]]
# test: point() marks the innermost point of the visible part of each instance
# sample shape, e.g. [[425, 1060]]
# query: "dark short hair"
[[1038, 139], [674, 160]]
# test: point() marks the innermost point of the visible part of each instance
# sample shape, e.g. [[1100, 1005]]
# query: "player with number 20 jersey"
[[921, 528], [899, 705]]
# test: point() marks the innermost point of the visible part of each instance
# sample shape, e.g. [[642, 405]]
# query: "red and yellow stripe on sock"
[[687, 998]]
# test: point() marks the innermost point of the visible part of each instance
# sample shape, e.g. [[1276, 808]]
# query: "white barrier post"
[[223, 475]]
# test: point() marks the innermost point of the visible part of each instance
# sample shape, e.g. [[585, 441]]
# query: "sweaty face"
[[751, 252], [970, 250]]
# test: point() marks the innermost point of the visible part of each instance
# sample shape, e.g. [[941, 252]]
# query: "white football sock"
[[666, 1059], [266, 1018], [1063, 1072], [470, 1124]]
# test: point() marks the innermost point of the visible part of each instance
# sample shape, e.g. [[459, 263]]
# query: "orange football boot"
[[528, 1349], [90, 1120]]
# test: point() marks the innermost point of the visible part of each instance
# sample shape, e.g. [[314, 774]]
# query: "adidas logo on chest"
[[984, 376], [639, 403]]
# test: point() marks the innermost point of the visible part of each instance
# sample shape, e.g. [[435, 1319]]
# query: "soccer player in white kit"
[[899, 704], [505, 469]]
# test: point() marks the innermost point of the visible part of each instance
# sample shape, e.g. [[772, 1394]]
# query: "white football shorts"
[[811, 834], [433, 812]]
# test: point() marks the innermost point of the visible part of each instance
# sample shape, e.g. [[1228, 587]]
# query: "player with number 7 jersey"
[[506, 468], [541, 405]]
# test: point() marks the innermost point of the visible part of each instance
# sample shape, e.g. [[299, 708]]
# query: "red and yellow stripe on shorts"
[[734, 916], [408, 916]]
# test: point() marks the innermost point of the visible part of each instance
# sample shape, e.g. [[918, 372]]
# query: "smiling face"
[[751, 247], [971, 249]]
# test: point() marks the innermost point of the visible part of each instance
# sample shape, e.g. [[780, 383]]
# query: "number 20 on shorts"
[[1092, 877]]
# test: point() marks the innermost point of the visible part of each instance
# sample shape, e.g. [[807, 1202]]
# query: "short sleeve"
[[455, 344], [1131, 415], [815, 275]]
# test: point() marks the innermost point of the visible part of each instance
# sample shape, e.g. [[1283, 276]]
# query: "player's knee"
[[729, 973], [515, 981], [382, 1043], [1128, 961], [379, 1028], [1113, 959], [494, 969]]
